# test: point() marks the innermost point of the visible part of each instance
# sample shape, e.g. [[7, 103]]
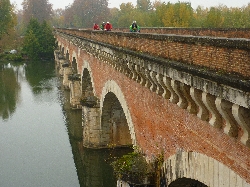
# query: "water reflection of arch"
[[91, 168], [116, 121]]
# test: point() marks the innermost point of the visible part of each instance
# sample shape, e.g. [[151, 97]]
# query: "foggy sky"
[[116, 3]]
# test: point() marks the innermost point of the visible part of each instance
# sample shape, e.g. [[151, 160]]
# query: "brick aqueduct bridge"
[[183, 93]]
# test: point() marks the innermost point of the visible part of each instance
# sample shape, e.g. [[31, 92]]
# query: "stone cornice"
[[230, 88]]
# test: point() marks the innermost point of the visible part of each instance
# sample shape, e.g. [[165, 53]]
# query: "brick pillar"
[[91, 127], [75, 93], [67, 71]]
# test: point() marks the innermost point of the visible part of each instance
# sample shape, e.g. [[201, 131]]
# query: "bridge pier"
[[60, 66], [91, 127], [75, 93], [66, 72], [70, 81], [59, 59]]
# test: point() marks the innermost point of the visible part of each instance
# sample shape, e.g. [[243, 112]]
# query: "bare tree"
[[39, 9]]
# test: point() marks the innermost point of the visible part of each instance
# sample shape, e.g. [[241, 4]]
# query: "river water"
[[41, 137]]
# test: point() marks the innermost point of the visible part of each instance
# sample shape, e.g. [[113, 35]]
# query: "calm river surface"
[[41, 137]]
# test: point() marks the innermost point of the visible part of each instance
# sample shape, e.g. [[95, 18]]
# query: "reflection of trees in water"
[[9, 89], [37, 74]]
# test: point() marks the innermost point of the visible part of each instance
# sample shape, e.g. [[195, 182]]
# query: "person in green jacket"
[[103, 25], [134, 27]]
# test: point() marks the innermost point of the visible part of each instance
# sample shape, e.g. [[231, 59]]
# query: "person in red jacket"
[[96, 27], [108, 27]]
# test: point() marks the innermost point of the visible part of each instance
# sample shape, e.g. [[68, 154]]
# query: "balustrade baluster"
[[209, 101], [203, 113], [242, 116], [225, 109]]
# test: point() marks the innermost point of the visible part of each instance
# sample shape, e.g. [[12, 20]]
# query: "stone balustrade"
[[214, 32], [220, 100], [223, 55]]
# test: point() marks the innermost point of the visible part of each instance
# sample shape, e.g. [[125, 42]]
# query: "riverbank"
[[7, 57]]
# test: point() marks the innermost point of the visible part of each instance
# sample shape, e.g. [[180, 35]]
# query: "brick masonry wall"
[[219, 32], [224, 55], [160, 125]]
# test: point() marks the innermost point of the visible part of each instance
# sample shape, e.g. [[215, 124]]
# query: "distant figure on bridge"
[[96, 27], [108, 27], [134, 27], [103, 25]]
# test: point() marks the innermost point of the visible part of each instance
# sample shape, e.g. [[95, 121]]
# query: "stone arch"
[[185, 182], [193, 166], [63, 50], [74, 65], [74, 55], [115, 112], [67, 55], [87, 88], [59, 45], [115, 130], [87, 72]]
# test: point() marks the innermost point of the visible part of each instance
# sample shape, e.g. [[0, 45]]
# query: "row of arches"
[[116, 124], [116, 127]]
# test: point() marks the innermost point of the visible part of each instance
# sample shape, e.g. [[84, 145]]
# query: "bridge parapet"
[[223, 55], [213, 32], [221, 101]]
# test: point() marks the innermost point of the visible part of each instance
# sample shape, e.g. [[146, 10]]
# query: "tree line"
[[84, 13], [28, 30]]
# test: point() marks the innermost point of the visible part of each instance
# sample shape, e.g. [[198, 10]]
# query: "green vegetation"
[[7, 23], [7, 17], [39, 41], [10, 57], [132, 168], [35, 20], [151, 14]]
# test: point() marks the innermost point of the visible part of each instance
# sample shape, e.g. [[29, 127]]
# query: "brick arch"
[[59, 44], [86, 66], [74, 65], [115, 131], [199, 167], [187, 182], [63, 49], [112, 87], [73, 55], [87, 87]]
